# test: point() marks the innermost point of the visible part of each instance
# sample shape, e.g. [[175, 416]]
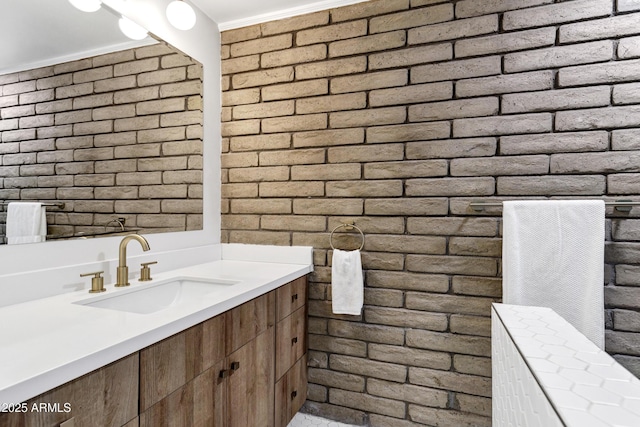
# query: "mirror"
[[110, 136]]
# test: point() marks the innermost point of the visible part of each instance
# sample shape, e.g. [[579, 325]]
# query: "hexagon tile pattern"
[[517, 399], [544, 367], [307, 420]]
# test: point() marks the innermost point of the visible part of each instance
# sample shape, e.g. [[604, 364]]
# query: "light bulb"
[[131, 29], [86, 5], [181, 15]]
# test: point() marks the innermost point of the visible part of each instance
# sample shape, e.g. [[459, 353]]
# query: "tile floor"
[[306, 420]]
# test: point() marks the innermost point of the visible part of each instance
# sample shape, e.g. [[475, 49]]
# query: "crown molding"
[[285, 13]]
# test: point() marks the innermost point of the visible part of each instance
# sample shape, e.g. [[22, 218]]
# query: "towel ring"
[[348, 227]]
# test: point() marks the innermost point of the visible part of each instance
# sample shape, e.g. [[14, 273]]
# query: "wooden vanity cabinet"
[[243, 368], [274, 385], [250, 364], [179, 378], [291, 350], [175, 361], [217, 373]]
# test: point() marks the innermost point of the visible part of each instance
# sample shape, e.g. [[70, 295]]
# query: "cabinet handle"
[[223, 373], [235, 366], [294, 340], [294, 393], [294, 297]]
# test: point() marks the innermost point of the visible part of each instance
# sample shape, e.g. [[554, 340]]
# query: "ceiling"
[[238, 13], [58, 32], [37, 33], [228, 11]]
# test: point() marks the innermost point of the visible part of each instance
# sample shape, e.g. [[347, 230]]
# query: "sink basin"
[[153, 297]]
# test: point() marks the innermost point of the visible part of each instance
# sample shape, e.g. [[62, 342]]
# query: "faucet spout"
[[123, 270]]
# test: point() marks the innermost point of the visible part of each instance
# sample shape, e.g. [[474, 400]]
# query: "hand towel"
[[26, 223], [553, 256], [347, 285]]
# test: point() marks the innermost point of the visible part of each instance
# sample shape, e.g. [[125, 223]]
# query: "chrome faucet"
[[123, 270]]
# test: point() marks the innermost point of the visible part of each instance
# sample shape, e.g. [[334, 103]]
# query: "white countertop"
[[47, 342]]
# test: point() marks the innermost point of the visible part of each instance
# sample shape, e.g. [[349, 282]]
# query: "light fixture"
[[86, 5], [181, 15], [131, 29]]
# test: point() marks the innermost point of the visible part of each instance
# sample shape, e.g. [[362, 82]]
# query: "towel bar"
[[619, 205], [59, 205], [348, 227]]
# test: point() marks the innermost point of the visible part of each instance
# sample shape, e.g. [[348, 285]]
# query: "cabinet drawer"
[[200, 402], [249, 320], [291, 392], [291, 340], [291, 297], [105, 397], [174, 361]]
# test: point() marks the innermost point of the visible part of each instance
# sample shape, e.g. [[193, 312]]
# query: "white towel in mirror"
[[26, 223]]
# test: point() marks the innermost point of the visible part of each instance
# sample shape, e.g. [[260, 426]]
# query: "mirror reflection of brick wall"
[[116, 137]]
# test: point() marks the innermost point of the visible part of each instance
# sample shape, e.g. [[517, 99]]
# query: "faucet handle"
[[97, 281], [145, 271]]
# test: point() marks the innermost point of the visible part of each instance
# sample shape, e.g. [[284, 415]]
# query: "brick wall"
[[396, 114], [113, 136]]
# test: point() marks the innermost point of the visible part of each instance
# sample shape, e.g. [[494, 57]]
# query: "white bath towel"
[[347, 285], [553, 256], [26, 223]]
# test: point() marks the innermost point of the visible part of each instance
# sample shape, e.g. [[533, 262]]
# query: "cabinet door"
[[199, 403], [168, 365], [247, 321], [291, 342], [291, 392], [105, 397], [250, 399], [291, 297]]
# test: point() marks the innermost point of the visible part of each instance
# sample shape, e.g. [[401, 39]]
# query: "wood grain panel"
[[105, 397], [251, 399], [291, 297], [247, 321], [291, 340], [199, 403], [133, 423], [291, 392], [214, 343], [171, 363]]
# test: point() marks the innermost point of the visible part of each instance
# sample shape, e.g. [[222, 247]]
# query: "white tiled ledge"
[[584, 385]]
